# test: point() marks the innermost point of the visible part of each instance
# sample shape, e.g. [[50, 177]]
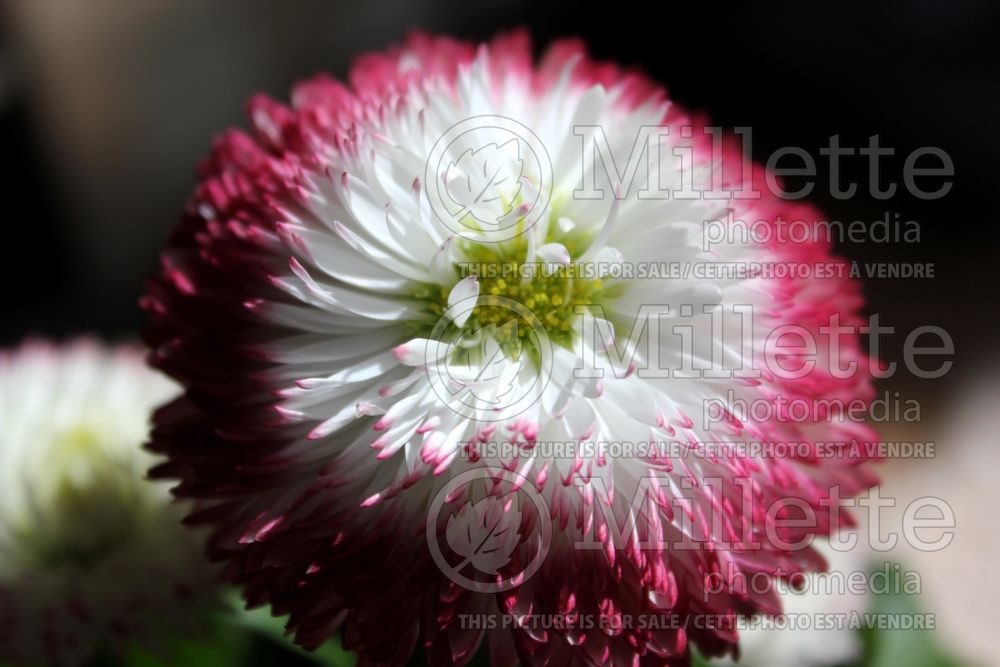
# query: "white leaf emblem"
[[485, 533], [486, 182], [494, 374]]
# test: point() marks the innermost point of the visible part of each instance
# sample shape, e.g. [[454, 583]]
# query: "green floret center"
[[551, 300]]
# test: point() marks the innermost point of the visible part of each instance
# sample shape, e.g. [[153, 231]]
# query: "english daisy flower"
[[418, 408], [92, 555]]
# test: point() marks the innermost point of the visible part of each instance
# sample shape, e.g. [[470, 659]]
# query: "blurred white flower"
[[91, 553], [796, 641], [962, 473]]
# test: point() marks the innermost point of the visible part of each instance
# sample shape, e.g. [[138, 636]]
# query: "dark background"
[[106, 106]]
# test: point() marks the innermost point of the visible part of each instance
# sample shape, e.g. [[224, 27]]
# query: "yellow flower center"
[[519, 301]]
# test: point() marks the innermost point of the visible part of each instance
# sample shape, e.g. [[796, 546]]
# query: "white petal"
[[462, 300], [554, 253]]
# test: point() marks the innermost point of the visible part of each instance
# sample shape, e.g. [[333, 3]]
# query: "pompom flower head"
[[412, 313], [92, 554]]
